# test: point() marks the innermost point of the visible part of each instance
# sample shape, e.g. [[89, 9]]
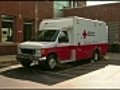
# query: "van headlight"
[[38, 52], [19, 51]]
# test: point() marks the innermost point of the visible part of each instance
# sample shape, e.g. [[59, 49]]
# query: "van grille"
[[28, 51]]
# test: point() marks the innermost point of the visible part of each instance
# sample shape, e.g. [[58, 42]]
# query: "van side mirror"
[[63, 39]]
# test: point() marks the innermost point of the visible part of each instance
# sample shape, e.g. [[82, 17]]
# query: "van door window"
[[63, 38]]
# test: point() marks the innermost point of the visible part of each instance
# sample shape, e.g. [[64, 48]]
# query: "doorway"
[[27, 29]]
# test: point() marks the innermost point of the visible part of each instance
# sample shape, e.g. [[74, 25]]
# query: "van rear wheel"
[[96, 56]]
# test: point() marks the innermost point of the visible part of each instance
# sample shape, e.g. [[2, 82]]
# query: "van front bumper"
[[29, 58]]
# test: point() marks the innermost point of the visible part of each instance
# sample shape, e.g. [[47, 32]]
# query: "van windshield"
[[45, 35]]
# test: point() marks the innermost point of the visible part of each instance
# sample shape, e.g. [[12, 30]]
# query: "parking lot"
[[101, 74]]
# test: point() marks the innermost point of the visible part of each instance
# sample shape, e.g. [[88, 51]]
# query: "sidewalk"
[[8, 58], [114, 56]]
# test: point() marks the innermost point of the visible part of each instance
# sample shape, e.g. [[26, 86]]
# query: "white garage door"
[[113, 32]]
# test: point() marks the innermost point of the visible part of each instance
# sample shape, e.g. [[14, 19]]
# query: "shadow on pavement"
[[60, 74]]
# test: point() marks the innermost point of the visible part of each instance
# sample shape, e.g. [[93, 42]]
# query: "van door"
[[63, 46]]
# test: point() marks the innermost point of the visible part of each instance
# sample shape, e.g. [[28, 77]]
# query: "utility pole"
[[36, 16]]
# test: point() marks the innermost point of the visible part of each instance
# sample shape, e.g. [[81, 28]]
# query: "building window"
[[7, 28], [58, 5], [73, 4]]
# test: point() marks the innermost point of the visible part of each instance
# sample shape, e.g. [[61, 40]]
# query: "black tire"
[[25, 64], [96, 56], [51, 62]]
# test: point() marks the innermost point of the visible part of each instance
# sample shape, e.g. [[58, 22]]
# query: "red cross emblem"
[[84, 34]]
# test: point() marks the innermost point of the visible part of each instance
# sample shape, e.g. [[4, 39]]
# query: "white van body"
[[64, 40]]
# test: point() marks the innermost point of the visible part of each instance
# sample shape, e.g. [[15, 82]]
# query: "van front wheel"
[[51, 62]]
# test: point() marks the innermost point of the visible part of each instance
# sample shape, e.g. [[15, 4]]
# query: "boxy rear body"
[[77, 39]]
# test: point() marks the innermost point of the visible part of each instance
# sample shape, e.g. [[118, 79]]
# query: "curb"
[[7, 60]]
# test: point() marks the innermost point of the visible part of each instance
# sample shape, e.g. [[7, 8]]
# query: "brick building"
[[109, 13], [19, 21]]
